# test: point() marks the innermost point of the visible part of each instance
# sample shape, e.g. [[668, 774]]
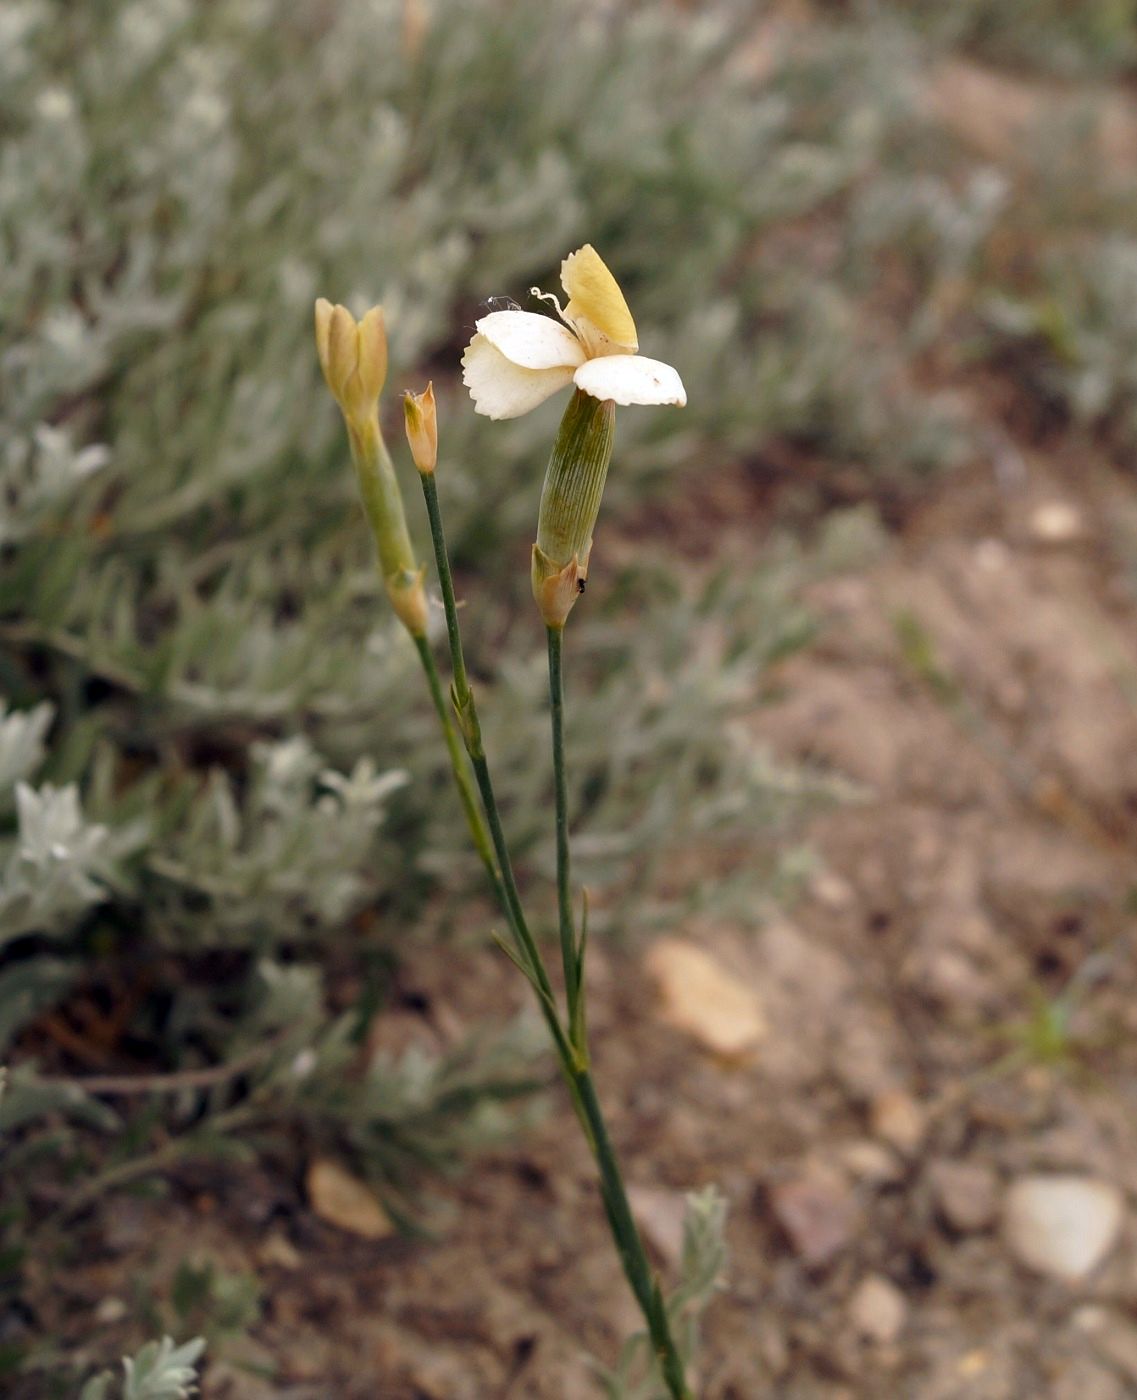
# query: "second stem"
[[569, 956]]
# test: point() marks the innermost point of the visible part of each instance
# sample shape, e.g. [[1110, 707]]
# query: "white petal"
[[501, 389], [631, 379], [532, 341]]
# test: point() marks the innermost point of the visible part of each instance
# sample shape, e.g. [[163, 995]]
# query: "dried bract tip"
[[421, 419], [556, 589], [353, 356], [408, 599]]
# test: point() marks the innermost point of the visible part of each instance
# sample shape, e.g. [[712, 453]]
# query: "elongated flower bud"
[[422, 428], [570, 503], [353, 356]]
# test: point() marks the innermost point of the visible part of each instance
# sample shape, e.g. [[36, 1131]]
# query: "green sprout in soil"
[[1047, 1036]]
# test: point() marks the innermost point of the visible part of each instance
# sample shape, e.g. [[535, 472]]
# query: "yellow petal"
[[343, 352], [323, 329], [372, 353], [595, 296]]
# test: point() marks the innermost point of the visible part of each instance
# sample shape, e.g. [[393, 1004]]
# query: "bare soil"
[[977, 682]]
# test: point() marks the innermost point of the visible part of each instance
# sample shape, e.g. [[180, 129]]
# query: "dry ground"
[[978, 683]]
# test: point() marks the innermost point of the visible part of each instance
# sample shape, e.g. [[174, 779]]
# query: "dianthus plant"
[[515, 361]]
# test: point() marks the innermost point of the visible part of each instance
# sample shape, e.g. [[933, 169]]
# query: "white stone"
[[877, 1309], [1056, 522], [1062, 1226]]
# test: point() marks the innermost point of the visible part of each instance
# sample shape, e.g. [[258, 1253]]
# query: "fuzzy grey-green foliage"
[[160, 1371], [183, 562], [1065, 37], [1083, 318], [237, 767], [702, 1265]]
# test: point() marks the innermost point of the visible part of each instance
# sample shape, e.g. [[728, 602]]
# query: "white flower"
[[518, 359]]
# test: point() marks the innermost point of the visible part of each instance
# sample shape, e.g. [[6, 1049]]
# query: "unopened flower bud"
[[422, 428], [353, 356], [570, 503]]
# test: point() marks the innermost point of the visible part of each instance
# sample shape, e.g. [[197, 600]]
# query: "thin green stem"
[[616, 1204], [446, 583], [628, 1242], [573, 1056], [569, 957], [463, 697], [459, 762]]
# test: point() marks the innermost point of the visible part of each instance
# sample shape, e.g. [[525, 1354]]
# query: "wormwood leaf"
[[22, 750], [160, 1371], [636, 1376], [29, 1098]]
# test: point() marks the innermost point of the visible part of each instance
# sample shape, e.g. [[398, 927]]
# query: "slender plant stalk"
[[529, 955], [459, 762], [240, 1116], [446, 583], [569, 956], [570, 1045], [629, 1244]]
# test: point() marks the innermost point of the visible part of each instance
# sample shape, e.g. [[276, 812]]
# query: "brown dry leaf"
[[703, 998], [344, 1201]]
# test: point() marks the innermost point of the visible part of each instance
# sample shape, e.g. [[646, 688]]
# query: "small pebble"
[[1117, 1344], [1090, 1317], [966, 1193], [817, 1214], [870, 1161], [278, 1251], [1056, 522], [110, 1311], [1061, 1226], [832, 890], [899, 1120], [878, 1309]]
